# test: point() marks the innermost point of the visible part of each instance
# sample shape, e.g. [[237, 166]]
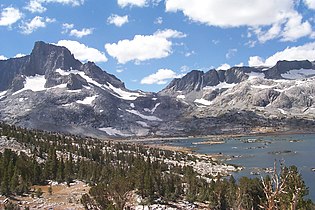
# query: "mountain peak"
[[45, 58]]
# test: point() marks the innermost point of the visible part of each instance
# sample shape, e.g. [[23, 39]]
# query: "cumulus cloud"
[[19, 55], [117, 20], [269, 19], [81, 33], [83, 52], [224, 66], [310, 4], [2, 57], [37, 5], [303, 52], [160, 77], [144, 47], [240, 64], [66, 27], [9, 15], [255, 61], [37, 22], [138, 3]]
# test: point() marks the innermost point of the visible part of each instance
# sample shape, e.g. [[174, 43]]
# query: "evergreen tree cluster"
[[116, 170]]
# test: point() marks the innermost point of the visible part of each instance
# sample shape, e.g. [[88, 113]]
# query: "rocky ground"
[[62, 197]]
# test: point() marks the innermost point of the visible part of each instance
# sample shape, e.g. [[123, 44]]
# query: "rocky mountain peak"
[[282, 67], [45, 58]]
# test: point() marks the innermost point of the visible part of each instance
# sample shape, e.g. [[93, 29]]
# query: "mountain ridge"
[[51, 90]]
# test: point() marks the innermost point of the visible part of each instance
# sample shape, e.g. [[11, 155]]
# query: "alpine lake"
[[257, 154]]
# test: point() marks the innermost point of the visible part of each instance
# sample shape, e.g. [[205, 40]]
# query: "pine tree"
[[60, 171], [5, 189], [14, 181]]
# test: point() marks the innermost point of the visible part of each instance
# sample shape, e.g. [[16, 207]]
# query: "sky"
[[147, 43]]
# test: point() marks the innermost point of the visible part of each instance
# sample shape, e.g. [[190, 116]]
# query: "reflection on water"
[[257, 154]]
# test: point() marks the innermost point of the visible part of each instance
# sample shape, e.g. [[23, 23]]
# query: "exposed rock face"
[[51, 90], [284, 66]]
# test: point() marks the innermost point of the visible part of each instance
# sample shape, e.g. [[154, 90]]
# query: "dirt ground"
[[62, 197]]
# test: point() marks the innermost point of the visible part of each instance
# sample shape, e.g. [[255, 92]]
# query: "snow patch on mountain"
[[126, 95], [261, 86], [143, 124], [221, 85], [155, 107], [87, 100], [2, 94], [203, 102], [113, 131], [255, 75], [81, 73], [181, 97], [36, 84], [146, 117], [299, 74], [282, 111], [117, 92]]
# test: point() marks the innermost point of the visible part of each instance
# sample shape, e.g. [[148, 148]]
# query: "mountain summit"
[[51, 90]]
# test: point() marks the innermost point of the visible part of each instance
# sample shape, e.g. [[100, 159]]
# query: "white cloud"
[[269, 19], [158, 21], [138, 3], [255, 61], [66, 27], [9, 15], [37, 5], [240, 64], [303, 52], [251, 43], [187, 54], [2, 57], [19, 55], [144, 47], [160, 77], [81, 33], [83, 52], [272, 33], [34, 24], [224, 66], [169, 33], [231, 53], [117, 20], [310, 4], [295, 28], [184, 68]]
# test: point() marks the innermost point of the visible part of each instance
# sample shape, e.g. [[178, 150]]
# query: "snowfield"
[[145, 117], [299, 74]]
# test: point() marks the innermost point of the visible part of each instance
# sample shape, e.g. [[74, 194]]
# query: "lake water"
[[256, 152]]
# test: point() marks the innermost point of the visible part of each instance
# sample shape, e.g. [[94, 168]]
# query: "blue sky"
[[147, 43]]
